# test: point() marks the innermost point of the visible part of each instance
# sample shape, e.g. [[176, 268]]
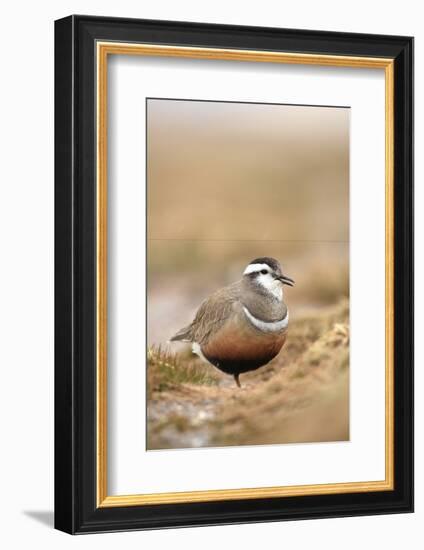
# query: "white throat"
[[271, 285], [264, 326], [266, 280]]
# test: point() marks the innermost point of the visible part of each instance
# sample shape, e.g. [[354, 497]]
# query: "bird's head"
[[266, 275]]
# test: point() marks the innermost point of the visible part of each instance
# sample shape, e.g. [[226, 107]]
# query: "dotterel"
[[241, 327]]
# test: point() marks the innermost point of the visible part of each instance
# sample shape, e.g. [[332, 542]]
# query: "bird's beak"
[[286, 280]]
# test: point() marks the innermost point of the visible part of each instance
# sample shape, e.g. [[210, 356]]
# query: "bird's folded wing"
[[211, 315]]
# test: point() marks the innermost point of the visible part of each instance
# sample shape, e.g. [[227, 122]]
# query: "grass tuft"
[[166, 370]]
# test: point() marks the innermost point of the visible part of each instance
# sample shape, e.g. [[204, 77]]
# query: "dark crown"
[[271, 262]]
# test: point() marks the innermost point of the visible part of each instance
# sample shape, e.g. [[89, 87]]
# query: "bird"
[[241, 327]]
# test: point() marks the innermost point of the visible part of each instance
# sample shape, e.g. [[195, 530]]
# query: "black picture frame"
[[76, 509]]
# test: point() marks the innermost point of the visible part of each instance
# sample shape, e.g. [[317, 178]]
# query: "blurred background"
[[228, 182]]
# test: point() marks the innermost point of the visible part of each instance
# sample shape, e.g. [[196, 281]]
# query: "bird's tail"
[[182, 335]]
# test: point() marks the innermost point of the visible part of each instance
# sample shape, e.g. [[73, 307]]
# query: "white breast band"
[[273, 326]]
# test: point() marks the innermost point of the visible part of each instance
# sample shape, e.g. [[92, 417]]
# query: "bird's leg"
[[236, 378]]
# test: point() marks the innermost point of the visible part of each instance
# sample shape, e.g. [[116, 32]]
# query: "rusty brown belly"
[[238, 348]]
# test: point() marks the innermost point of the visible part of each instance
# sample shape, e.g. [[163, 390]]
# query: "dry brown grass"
[[300, 396], [166, 371]]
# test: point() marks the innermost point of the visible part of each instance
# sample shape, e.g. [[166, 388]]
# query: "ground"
[[300, 396]]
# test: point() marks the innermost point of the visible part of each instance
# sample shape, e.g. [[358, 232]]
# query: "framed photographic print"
[[234, 274]]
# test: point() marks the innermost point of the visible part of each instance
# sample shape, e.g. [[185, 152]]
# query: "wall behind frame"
[[26, 276]]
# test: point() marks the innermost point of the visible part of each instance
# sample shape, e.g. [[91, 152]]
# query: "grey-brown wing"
[[210, 316]]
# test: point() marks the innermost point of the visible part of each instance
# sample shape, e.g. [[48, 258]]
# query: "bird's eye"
[[264, 271]]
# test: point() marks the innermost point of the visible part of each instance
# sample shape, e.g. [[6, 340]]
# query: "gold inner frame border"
[[103, 50]]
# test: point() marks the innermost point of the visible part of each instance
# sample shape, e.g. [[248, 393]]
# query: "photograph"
[[247, 273]]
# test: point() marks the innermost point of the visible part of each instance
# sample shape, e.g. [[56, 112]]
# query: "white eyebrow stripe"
[[273, 326], [252, 268]]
